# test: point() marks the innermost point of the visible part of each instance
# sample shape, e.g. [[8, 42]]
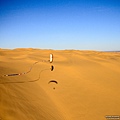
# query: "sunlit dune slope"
[[87, 89]]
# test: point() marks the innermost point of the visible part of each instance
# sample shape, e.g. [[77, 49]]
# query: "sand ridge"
[[87, 89]]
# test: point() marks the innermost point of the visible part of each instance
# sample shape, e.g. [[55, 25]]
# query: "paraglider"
[[51, 58], [52, 67], [53, 81]]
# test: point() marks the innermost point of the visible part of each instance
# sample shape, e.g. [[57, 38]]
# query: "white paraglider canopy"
[[51, 58]]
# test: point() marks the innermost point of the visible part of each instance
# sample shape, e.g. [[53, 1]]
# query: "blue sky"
[[60, 24]]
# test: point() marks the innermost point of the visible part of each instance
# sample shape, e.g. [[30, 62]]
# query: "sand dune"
[[88, 85]]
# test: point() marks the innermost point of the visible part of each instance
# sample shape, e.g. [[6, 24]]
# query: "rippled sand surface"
[[88, 85]]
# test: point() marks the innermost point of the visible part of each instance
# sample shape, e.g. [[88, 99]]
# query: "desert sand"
[[88, 85]]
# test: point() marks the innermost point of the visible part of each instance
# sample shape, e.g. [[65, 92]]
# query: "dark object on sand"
[[52, 67], [53, 81]]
